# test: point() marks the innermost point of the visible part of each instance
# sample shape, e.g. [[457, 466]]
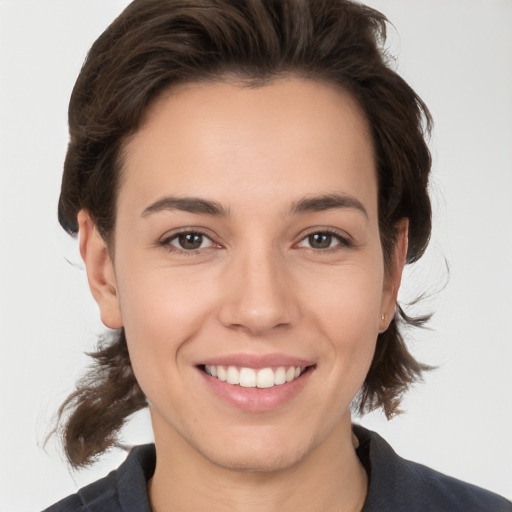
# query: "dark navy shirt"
[[395, 485]]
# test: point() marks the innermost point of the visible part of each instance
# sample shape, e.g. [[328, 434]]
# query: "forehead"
[[230, 140]]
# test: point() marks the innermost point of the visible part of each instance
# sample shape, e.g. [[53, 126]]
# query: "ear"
[[100, 271], [393, 276]]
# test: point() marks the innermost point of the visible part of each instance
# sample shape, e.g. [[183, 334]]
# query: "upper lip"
[[256, 361]]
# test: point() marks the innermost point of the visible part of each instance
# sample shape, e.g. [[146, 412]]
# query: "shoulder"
[[98, 496], [399, 485], [442, 492], [122, 490]]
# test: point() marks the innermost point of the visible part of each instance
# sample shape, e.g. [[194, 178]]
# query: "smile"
[[254, 378]]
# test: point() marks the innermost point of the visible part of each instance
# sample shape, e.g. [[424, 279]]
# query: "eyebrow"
[[207, 207], [187, 204], [328, 202]]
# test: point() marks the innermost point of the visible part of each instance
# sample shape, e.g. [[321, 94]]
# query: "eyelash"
[[167, 243], [343, 241]]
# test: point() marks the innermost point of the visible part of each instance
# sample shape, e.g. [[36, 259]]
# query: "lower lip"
[[257, 399]]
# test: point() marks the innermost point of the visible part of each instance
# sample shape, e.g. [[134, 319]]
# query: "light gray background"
[[457, 54]]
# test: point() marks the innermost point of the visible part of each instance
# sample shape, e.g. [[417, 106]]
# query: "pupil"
[[190, 240], [320, 240]]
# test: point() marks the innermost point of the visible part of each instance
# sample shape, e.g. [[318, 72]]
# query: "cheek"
[[346, 307], [350, 296], [160, 316], [160, 313]]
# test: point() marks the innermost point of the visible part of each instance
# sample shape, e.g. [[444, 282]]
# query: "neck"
[[329, 478]]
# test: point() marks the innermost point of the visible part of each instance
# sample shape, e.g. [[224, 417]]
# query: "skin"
[[256, 286]]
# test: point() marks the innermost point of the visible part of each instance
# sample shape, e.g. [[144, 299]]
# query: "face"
[[248, 271]]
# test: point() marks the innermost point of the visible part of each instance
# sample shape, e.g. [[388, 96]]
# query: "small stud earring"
[[382, 319]]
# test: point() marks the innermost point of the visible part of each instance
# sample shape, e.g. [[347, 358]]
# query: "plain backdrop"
[[457, 54]]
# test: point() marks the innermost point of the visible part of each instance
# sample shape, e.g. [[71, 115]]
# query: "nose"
[[259, 294]]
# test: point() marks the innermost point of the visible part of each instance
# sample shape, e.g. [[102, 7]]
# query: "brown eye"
[[320, 240], [190, 241]]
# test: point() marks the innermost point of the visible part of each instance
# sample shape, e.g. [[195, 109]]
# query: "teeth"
[[266, 378], [233, 375], [221, 373], [280, 376], [247, 378], [250, 378]]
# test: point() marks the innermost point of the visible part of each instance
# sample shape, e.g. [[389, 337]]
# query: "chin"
[[268, 462], [260, 456]]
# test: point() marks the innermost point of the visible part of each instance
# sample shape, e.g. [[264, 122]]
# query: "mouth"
[[256, 383], [262, 378]]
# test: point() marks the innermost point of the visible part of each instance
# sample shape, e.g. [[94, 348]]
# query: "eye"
[[189, 241], [322, 240]]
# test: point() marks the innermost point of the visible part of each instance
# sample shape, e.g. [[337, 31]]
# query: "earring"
[[382, 319]]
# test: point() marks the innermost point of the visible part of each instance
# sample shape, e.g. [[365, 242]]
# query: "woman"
[[248, 182]]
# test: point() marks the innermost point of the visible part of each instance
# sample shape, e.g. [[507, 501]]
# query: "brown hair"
[[155, 44]]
